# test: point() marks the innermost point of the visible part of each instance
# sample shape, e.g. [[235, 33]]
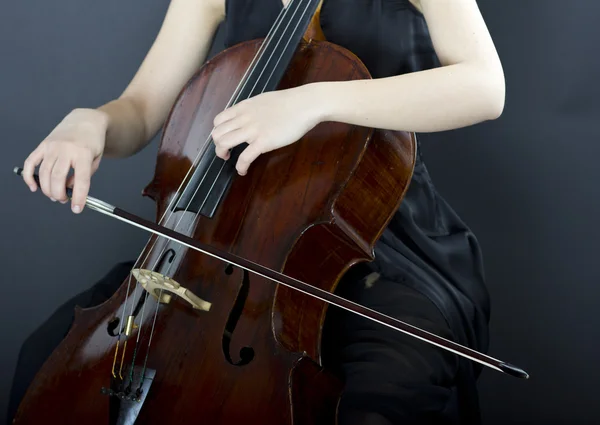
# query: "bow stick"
[[112, 211]]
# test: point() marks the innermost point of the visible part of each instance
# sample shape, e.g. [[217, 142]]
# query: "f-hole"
[[246, 353]]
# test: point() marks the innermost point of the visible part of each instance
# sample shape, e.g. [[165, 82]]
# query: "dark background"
[[526, 184]]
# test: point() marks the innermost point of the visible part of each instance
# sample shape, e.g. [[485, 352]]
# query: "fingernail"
[[53, 200], [32, 188], [76, 209], [64, 201]]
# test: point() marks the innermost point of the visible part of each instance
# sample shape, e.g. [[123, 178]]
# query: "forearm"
[[126, 131], [433, 100], [182, 44]]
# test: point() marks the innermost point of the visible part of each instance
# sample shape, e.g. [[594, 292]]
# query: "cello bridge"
[[163, 288]]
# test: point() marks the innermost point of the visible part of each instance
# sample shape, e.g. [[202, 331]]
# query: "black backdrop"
[[526, 183]]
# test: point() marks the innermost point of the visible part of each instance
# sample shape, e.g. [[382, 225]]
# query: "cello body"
[[310, 210]]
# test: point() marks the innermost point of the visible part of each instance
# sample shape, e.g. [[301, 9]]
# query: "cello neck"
[[279, 47]]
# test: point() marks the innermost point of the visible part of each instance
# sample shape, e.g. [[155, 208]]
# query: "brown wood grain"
[[310, 210]]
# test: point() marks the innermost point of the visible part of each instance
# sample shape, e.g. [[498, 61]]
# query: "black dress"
[[428, 269]]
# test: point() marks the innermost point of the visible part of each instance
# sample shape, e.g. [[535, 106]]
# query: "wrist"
[[103, 118], [320, 100], [92, 119]]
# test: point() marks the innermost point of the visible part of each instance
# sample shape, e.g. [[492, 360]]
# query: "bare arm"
[[125, 125], [179, 49], [467, 89]]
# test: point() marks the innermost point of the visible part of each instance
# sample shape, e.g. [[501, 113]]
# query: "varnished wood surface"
[[314, 30], [310, 210]]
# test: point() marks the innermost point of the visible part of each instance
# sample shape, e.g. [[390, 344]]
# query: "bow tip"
[[514, 371]]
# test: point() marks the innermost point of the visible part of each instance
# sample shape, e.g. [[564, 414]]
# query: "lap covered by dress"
[[389, 377]]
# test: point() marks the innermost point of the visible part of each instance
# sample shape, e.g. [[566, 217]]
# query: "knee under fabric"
[[390, 377]]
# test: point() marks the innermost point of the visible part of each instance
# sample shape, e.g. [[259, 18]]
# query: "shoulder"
[[458, 31], [212, 8], [416, 4], [217, 7], [430, 6]]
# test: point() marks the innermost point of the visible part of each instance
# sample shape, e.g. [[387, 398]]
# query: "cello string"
[[262, 91], [196, 160], [237, 98], [264, 88], [275, 27], [236, 95], [206, 145], [284, 49], [283, 16], [199, 156]]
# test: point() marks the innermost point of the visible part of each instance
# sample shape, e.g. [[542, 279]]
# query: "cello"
[[221, 317]]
